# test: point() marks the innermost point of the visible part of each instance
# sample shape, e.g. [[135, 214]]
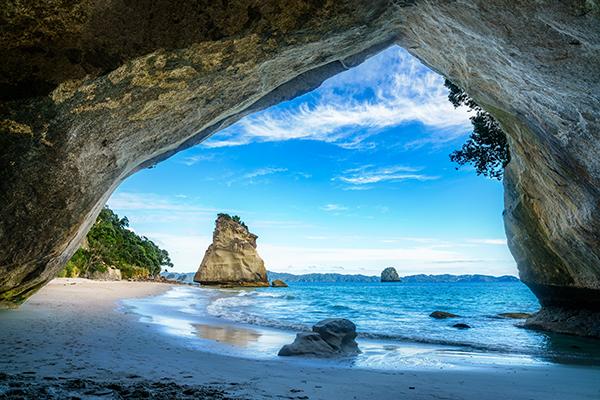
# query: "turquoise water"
[[390, 314]]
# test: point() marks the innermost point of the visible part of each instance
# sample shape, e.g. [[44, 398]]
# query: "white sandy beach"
[[71, 329]]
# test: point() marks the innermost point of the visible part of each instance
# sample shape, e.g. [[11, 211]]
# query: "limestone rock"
[[232, 258], [390, 275], [442, 315], [330, 337], [111, 274], [279, 283]]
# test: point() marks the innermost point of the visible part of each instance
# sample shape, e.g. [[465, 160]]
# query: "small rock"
[[442, 315], [515, 315], [278, 283], [390, 275], [461, 326]]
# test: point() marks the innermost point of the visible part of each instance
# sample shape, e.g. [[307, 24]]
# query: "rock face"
[[232, 259], [92, 92], [111, 274], [330, 337], [571, 322], [390, 275], [278, 283]]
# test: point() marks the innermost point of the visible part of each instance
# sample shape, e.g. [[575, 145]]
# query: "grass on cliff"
[[111, 244]]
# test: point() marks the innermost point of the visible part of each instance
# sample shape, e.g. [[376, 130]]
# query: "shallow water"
[[392, 319]]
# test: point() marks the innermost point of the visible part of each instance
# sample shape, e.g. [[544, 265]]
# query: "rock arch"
[[93, 91]]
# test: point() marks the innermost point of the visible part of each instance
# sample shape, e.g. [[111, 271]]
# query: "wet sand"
[[69, 335]]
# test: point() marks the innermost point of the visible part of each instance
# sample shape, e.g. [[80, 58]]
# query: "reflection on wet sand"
[[227, 334]]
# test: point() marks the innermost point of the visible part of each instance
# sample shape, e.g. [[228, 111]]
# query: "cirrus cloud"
[[357, 104]]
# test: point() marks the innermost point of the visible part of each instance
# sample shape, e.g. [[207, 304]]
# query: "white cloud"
[[368, 175], [192, 160], [152, 201], [264, 172], [334, 207], [405, 91], [252, 177]]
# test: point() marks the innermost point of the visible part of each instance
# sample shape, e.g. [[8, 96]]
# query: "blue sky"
[[350, 178]]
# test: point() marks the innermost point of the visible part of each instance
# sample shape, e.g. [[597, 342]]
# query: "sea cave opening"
[[339, 184], [357, 252]]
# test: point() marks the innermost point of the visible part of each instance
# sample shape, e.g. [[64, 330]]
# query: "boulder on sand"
[[330, 337], [442, 315], [308, 344]]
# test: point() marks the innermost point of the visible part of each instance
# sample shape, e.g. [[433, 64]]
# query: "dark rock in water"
[[308, 344], [515, 315], [339, 333], [567, 321], [330, 337], [460, 325], [442, 315], [279, 283], [390, 275]]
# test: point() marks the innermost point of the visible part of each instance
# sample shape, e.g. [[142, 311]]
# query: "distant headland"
[[347, 278], [421, 278]]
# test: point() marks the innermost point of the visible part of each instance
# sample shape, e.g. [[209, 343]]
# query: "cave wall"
[[92, 91]]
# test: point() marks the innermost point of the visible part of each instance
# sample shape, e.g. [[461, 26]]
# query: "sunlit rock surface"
[[231, 259], [93, 91], [278, 283]]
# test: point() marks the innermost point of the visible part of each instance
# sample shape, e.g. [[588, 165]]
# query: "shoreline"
[[184, 312], [71, 329]]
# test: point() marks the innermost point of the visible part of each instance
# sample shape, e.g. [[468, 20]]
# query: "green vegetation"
[[111, 243], [234, 218], [486, 148]]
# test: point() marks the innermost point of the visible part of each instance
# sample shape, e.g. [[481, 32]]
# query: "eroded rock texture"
[[93, 91], [231, 258], [332, 337]]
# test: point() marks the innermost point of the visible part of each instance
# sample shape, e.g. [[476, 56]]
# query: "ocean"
[[392, 319]]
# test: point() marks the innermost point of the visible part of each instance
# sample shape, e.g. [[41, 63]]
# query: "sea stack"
[[232, 259], [390, 275]]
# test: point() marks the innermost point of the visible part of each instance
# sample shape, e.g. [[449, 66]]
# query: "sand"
[[70, 338]]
